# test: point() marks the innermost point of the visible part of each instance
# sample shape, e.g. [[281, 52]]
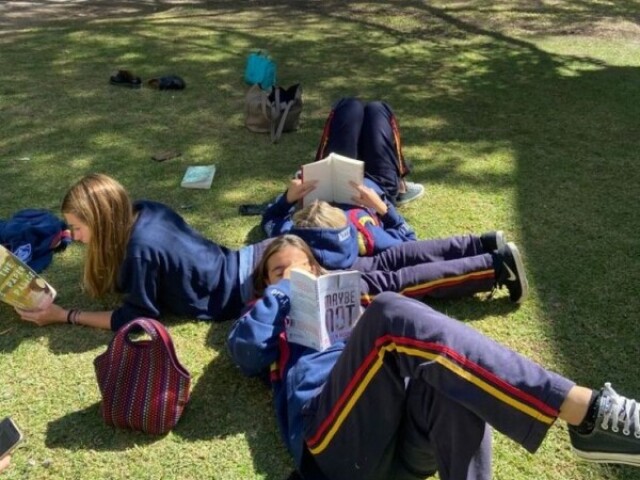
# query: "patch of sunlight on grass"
[[616, 52]]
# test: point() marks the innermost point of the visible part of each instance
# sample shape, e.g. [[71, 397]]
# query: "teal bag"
[[260, 70]]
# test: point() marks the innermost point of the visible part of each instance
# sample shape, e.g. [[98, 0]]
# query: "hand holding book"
[[298, 189], [45, 316], [333, 175], [367, 197]]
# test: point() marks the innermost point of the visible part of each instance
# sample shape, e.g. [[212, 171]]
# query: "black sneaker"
[[615, 437], [510, 273], [492, 241]]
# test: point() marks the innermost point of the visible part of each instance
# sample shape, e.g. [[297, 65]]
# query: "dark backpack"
[[33, 235]]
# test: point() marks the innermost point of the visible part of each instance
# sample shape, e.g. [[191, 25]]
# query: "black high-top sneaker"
[[492, 241], [510, 272]]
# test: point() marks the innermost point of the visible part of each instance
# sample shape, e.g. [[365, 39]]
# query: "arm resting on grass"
[[56, 314]]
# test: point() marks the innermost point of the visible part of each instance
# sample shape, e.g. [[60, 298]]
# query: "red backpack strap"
[[364, 233], [324, 139]]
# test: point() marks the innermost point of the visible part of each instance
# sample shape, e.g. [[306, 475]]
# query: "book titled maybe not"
[[333, 175], [324, 309], [198, 176]]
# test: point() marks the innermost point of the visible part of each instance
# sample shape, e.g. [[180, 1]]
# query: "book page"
[[345, 170], [20, 286], [319, 171], [339, 294], [303, 324]]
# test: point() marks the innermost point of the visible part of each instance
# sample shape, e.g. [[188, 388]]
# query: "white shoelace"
[[620, 410]]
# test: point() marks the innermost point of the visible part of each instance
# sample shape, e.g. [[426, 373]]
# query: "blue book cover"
[[198, 176]]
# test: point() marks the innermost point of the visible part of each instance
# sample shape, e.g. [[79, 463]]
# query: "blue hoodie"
[[334, 248], [371, 233], [33, 235], [257, 342], [169, 266]]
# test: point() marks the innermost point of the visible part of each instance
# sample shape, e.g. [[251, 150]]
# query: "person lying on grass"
[[367, 132], [412, 391], [438, 268], [148, 253]]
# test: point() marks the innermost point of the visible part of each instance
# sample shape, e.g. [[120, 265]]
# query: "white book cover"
[[333, 175], [324, 309], [198, 176]]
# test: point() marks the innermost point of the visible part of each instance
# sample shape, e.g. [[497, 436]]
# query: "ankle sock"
[[589, 422]]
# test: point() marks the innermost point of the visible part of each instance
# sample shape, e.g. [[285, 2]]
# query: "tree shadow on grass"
[[569, 122], [225, 403], [62, 339], [85, 430]]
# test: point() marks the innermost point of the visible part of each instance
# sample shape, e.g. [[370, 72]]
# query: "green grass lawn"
[[515, 116]]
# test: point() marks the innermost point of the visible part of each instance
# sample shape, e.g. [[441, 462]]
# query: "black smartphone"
[[10, 436], [252, 208]]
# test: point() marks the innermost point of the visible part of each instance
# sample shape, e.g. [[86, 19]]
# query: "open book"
[[324, 309], [20, 286], [333, 174]]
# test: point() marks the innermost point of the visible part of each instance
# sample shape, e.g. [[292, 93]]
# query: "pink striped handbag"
[[143, 385]]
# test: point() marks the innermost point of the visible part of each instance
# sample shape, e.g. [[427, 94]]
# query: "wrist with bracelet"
[[73, 317]]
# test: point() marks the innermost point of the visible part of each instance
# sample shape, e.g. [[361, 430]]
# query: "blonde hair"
[[320, 214], [261, 273], [104, 206]]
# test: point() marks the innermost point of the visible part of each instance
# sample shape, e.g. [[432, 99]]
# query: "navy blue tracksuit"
[[411, 392], [367, 132], [449, 267]]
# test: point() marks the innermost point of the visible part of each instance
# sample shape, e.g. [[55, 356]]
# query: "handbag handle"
[[275, 135], [276, 132], [157, 332]]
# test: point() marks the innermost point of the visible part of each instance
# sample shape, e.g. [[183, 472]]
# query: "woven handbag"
[[143, 385]]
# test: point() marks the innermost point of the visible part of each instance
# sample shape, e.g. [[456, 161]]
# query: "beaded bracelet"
[[75, 317], [69, 315]]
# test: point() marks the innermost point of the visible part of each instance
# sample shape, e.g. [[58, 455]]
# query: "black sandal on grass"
[[124, 78]]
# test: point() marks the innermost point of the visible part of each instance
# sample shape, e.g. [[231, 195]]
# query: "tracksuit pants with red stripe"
[[367, 132], [416, 391], [440, 268]]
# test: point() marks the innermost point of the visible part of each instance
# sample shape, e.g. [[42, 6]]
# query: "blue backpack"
[[33, 235]]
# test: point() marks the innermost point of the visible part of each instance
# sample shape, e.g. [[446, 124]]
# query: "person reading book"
[[369, 131], [412, 391], [378, 223], [444, 268], [148, 253]]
